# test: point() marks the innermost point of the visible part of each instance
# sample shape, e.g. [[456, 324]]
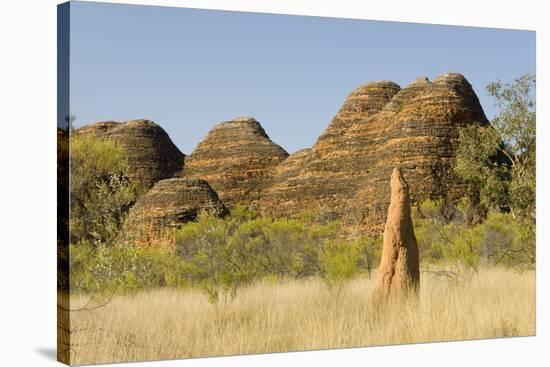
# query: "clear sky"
[[190, 69]]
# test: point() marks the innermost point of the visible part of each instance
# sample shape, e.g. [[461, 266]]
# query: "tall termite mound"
[[399, 272]]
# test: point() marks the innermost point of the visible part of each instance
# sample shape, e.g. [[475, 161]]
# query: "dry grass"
[[298, 315]]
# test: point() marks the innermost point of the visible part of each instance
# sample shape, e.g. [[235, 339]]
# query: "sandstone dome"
[[381, 126], [152, 156], [165, 207], [237, 159]]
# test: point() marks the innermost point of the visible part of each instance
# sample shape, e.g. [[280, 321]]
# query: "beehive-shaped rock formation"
[[378, 127], [329, 174], [151, 154], [237, 159], [399, 270], [419, 132], [165, 207], [282, 183]]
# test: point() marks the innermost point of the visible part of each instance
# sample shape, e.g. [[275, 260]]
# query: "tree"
[[279, 247], [499, 160], [222, 255], [454, 247], [339, 263], [100, 191], [209, 258]]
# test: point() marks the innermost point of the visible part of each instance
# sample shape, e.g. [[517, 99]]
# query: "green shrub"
[[266, 246], [499, 161], [221, 255], [460, 246], [505, 241], [122, 268], [339, 263], [499, 240], [101, 192], [369, 252], [428, 228], [209, 258]]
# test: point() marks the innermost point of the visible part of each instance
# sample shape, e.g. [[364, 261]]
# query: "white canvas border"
[[27, 211]]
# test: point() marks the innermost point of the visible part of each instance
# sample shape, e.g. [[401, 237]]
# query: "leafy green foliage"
[[477, 163], [101, 192], [500, 240], [209, 259], [506, 241], [499, 160], [271, 247], [369, 252], [339, 262], [221, 255], [127, 268]]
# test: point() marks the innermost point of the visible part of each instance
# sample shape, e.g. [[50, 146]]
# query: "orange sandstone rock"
[[170, 203], [237, 159], [152, 156], [381, 126]]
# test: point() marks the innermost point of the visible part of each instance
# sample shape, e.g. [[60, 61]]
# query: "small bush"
[[101, 192], [369, 252], [208, 257], [499, 240], [102, 269], [505, 241], [221, 255], [339, 263]]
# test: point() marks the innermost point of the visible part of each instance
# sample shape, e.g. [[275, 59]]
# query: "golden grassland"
[[300, 315]]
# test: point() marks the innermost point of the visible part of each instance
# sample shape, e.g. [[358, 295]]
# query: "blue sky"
[[189, 69]]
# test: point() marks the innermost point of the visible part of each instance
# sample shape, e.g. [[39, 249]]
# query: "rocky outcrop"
[[154, 218], [421, 138], [237, 158], [344, 175], [380, 126], [398, 273], [151, 154], [283, 181], [332, 170]]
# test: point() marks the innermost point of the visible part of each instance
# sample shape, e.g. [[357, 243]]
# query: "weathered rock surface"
[[399, 270], [328, 175], [283, 181], [381, 126], [237, 158], [151, 154], [421, 138], [345, 175], [165, 207]]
